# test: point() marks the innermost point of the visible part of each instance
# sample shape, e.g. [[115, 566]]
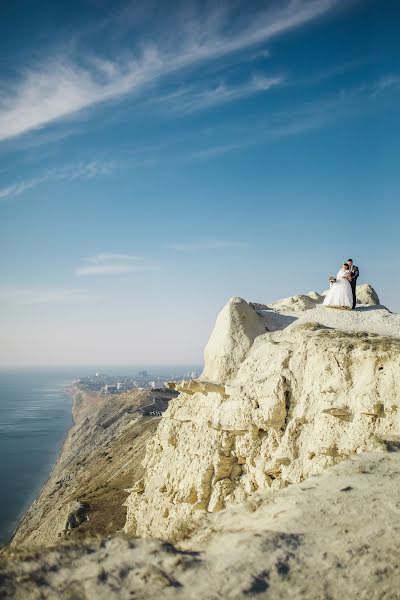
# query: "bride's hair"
[[346, 266]]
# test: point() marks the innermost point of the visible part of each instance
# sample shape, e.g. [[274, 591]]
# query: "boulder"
[[366, 295]]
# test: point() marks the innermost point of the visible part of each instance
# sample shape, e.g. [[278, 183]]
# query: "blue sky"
[[158, 158]]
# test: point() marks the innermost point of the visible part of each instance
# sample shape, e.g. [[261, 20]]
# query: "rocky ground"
[[331, 537]]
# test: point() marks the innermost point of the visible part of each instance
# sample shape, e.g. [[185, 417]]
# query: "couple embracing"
[[342, 293]]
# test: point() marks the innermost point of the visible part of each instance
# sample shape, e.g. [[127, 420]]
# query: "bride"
[[340, 294]]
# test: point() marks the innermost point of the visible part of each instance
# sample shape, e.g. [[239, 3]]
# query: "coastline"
[[71, 392], [99, 459]]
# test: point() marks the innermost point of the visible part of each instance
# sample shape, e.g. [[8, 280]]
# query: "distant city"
[[112, 384]]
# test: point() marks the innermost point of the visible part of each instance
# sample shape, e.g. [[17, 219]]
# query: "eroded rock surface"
[[334, 536]]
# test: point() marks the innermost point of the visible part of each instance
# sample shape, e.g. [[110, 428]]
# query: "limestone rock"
[[78, 515], [192, 386], [334, 536], [366, 295], [297, 400], [234, 332], [298, 303]]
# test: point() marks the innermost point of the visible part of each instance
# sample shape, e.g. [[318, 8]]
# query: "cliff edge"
[[287, 390]]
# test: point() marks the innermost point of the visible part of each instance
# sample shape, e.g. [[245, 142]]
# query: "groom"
[[354, 274]]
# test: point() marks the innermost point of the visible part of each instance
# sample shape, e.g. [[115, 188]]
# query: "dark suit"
[[354, 274]]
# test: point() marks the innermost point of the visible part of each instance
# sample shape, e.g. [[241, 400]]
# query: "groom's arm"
[[356, 273]]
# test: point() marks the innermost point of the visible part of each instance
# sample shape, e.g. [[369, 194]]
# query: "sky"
[[158, 158]]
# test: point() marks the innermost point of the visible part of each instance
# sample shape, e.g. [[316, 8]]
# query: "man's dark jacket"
[[354, 274]]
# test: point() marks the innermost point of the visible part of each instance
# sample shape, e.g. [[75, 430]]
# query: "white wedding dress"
[[340, 294]]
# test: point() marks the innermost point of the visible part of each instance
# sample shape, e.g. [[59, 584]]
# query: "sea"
[[35, 416]]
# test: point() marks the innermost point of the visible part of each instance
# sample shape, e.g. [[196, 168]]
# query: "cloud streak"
[[108, 263], [56, 89], [81, 170], [308, 116], [190, 100]]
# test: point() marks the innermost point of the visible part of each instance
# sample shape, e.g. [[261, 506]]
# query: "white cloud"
[[108, 263], [204, 245], [58, 88], [81, 170], [106, 256], [42, 295]]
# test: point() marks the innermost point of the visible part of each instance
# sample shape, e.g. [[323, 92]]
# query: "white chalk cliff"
[[288, 389]]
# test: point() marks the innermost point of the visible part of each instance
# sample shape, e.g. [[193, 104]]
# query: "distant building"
[[110, 388]]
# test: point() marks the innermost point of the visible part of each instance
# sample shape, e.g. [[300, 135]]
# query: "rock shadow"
[[275, 321]]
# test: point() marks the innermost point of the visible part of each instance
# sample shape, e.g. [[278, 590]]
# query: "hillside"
[[100, 458]]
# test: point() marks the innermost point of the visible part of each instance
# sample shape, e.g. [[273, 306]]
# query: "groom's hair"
[[350, 259]]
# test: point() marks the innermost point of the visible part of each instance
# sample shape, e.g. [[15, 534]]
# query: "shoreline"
[[5, 546], [100, 458]]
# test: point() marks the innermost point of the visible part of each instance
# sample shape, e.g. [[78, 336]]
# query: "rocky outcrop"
[[193, 386], [366, 295], [235, 330], [298, 303], [78, 515], [297, 392]]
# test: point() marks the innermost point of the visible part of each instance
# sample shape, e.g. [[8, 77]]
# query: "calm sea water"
[[35, 415]]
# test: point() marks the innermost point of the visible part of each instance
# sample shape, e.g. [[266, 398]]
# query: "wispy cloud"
[[387, 82], [309, 116], [191, 99], [205, 245], [41, 295], [53, 90], [108, 263], [81, 170]]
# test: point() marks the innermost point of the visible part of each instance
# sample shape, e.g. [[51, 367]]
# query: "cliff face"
[[287, 390]]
